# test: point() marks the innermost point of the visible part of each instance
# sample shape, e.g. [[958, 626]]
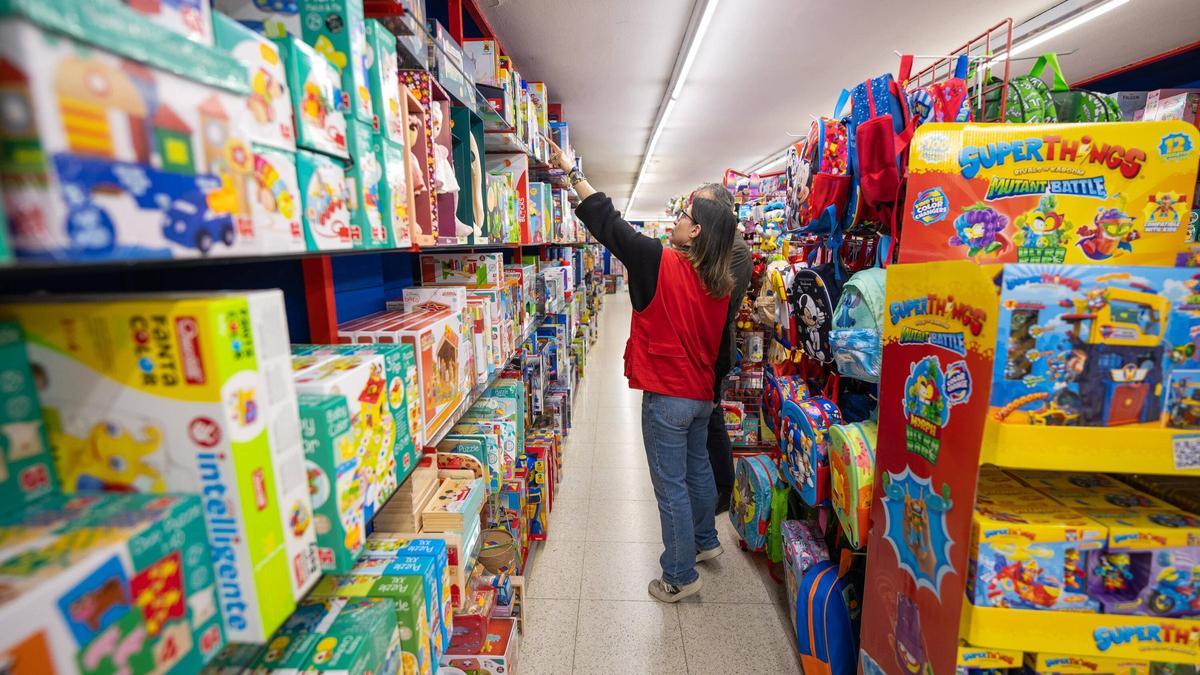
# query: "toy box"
[[334, 479], [486, 349], [421, 146], [1151, 565], [383, 76], [192, 19], [1181, 107], [408, 596], [120, 583], [337, 30], [325, 196], [397, 203], [315, 89], [473, 270], [362, 382], [353, 634], [1031, 558], [276, 20], [124, 145], [155, 393], [539, 473], [1080, 346], [276, 205], [462, 550], [493, 437], [26, 466], [986, 661], [490, 652], [1113, 193], [540, 212], [483, 59], [403, 386], [269, 105], [423, 570], [364, 178], [1067, 664]]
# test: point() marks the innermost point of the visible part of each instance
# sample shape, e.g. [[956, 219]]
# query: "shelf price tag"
[[1186, 449]]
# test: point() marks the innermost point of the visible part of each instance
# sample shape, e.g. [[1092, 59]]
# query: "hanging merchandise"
[[818, 178], [1028, 98], [750, 509], [944, 101], [812, 296], [856, 338], [826, 637], [852, 476], [805, 429]]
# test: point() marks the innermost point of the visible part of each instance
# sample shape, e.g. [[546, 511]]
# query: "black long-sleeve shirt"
[[640, 254]]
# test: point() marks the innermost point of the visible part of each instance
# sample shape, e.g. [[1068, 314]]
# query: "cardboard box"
[[269, 105], [115, 582], [483, 60], [1067, 664], [364, 178], [281, 19], [408, 597], [193, 19], [187, 393], [462, 550], [1179, 107], [383, 76], [353, 634], [473, 270], [337, 30], [26, 466], [1150, 562], [334, 479], [493, 653], [1153, 98], [397, 203], [325, 197], [132, 151], [277, 204], [314, 85]]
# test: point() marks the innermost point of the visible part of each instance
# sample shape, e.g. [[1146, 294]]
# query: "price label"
[[1187, 451]]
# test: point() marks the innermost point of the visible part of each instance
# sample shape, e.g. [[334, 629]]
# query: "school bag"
[[803, 547], [825, 634], [750, 504], [804, 428], [779, 511], [812, 296], [1028, 99], [819, 177], [777, 388], [944, 101], [856, 338], [852, 477], [1079, 105]]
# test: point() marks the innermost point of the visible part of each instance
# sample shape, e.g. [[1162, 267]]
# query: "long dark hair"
[[712, 209]]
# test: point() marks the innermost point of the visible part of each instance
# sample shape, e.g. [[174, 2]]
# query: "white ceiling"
[[765, 66]]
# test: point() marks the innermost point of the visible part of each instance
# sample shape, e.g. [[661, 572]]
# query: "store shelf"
[[1130, 449], [1101, 635]]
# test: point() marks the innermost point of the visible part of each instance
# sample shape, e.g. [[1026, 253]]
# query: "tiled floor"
[[588, 610]]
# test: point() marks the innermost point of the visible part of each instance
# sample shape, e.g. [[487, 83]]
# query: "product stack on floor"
[[965, 407], [348, 473]]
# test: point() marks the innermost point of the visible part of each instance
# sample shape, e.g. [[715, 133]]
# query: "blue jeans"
[[675, 431]]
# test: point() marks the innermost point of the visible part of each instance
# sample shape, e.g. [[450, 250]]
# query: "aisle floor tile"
[[577, 476], [568, 519], [728, 638], [557, 569], [628, 637], [548, 644], [614, 483], [623, 520], [619, 570], [619, 455], [625, 429]]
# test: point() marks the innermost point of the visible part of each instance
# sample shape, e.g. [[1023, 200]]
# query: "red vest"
[[673, 343]]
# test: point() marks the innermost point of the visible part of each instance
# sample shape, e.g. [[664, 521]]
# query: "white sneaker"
[[709, 554], [665, 592]]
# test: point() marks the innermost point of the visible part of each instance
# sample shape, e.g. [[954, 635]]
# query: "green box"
[[358, 641], [323, 193], [408, 596], [313, 84], [337, 30], [26, 466], [394, 198], [334, 480], [5, 249], [365, 180], [384, 79]]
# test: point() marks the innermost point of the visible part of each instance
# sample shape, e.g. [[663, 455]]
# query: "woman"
[[680, 295]]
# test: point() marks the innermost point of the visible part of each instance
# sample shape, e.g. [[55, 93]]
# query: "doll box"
[[276, 204], [337, 30], [495, 655], [131, 589], [361, 380], [215, 371], [125, 141], [408, 597], [334, 479], [269, 105], [364, 177], [400, 368], [315, 88], [473, 270], [383, 75], [192, 19], [325, 197], [396, 203], [1032, 560], [26, 465]]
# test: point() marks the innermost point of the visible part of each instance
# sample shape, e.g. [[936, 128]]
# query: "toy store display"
[[325, 196], [315, 89], [25, 450]]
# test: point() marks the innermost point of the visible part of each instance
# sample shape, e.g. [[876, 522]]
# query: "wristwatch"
[[575, 176]]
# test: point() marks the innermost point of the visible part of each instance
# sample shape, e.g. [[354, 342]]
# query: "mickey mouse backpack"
[[750, 504], [856, 338], [804, 435], [852, 477]]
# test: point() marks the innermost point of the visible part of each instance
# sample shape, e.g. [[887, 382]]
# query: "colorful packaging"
[[473, 270], [336, 30], [345, 635], [483, 59], [192, 19], [364, 179], [852, 477], [408, 596], [1151, 565], [26, 466], [397, 205], [1066, 664], [325, 197], [124, 583], [315, 88], [187, 393], [980, 661], [277, 203], [423, 570], [490, 652], [276, 19], [269, 104], [384, 78], [334, 480], [132, 153], [1111, 193]]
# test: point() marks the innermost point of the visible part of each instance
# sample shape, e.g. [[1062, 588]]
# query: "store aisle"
[[588, 609]]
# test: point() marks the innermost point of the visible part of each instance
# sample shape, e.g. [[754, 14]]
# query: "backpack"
[[825, 635], [944, 101], [819, 178], [778, 388], [852, 477], [803, 547], [805, 438], [1028, 99], [811, 299], [750, 504], [856, 337], [879, 128], [779, 511]]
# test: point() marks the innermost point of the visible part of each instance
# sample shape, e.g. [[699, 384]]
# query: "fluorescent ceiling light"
[[770, 164], [668, 106], [1056, 30]]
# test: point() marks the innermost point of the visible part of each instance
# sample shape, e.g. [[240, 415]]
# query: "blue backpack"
[[750, 506], [825, 633]]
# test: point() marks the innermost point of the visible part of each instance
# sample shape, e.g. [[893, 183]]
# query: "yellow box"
[[1066, 664]]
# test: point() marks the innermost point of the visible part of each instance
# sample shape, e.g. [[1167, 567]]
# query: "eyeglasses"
[[681, 214]]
